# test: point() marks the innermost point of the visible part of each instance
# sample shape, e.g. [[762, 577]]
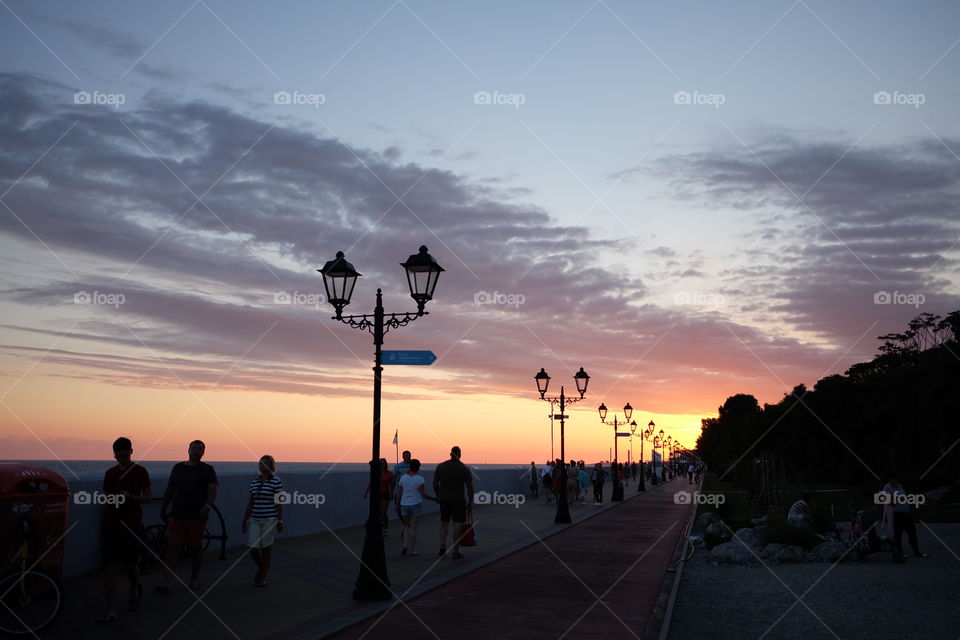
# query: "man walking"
[[400, 469], [450, 481], [534, 480], [597, 478], [191, 490], [128, 486]]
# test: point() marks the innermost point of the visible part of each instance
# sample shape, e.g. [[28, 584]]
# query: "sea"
[[94, 469]]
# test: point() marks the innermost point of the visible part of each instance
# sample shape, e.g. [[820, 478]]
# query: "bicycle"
[[155, 537], [29, 598]]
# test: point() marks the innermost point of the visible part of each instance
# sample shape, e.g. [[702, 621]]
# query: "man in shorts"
[[191, 490], [127, 486], [453, 487]]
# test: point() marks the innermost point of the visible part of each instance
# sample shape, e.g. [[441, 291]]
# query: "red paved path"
[[597, 579]]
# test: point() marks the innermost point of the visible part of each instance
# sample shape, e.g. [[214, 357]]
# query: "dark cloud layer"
[[198, 216], [837, 226]]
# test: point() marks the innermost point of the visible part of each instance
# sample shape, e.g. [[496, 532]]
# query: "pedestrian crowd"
[[580, 477], [192, 490]]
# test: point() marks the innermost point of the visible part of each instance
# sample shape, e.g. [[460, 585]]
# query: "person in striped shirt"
[[263, 517]]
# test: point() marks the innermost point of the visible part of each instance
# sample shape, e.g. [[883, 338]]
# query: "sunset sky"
[[690, 200]]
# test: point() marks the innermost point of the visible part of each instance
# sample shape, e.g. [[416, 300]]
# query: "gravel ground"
[[876, 599]]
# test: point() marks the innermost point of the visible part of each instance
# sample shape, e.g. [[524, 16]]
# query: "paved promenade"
[[528, 578], [598, 579]]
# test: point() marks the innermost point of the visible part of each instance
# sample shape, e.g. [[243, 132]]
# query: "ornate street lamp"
[[543, 381], [660, 440], [617, 494], [645, 435], [339, 279], [653, 457], [669, 448]]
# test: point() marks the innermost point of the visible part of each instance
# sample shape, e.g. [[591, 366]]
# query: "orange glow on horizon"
[[52, 417]]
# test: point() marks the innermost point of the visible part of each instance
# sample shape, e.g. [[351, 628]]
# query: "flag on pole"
[[395, 434]]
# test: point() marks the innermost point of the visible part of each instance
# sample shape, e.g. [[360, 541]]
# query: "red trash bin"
[[33, 502]]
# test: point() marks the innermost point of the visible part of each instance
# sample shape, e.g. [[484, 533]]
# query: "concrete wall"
[[342, 506]]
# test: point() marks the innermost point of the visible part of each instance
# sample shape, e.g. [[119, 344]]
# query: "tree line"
[[898, 411]]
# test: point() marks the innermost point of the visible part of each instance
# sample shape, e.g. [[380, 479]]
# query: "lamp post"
[[645, 435], [653, 458], [543, 381], [339, 279], [661, 438], [551, 431], [670, 453], [617, 494]]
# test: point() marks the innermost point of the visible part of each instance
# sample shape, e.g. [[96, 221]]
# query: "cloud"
[[198, 216], [835, 225], [116, 42], [123, 46]]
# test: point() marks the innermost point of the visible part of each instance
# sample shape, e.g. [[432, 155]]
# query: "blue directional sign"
[[408, 357], [621, 434]]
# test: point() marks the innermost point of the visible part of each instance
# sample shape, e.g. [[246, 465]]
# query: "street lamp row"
[[617, 494], [644, 435], [660, 441]]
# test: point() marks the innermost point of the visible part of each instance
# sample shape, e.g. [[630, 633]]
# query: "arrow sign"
[[621, 434], [558, 416], [408, 357]]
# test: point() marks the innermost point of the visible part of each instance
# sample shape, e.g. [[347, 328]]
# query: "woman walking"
[[411, 492], [263, 517]]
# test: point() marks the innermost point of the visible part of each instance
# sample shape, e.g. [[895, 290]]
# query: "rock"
[[761, 531], [702, 521], [747, 536], [829, 551], [771, 550], [776, 552], [732, 553]]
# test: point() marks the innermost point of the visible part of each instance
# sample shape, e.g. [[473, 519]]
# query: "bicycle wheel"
[[28, 602], [156, 537]]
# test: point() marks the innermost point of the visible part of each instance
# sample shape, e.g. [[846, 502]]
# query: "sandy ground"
[[876, 599]]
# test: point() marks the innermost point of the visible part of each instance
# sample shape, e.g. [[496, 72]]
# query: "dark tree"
[[898, 411]]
